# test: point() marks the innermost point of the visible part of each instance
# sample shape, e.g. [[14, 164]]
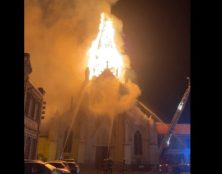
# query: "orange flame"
[[103, 53]]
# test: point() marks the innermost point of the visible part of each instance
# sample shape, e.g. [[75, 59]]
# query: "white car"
[[60, 166], [39, 167]]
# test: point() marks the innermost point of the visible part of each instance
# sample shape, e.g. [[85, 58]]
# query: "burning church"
[[105, 118], [129, 136], [104, 121]]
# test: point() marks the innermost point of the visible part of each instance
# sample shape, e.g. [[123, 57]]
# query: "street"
[[116, 172]]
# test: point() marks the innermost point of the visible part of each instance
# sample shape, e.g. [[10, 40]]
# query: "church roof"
[[183, 129], [106, 73]]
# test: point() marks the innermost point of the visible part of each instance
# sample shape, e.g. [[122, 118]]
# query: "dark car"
[[60, 166], [39, 167]]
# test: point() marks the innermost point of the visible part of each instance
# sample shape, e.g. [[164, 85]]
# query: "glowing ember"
[[103, 52]]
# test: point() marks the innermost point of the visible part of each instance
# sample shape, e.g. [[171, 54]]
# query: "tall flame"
[[103, 53]]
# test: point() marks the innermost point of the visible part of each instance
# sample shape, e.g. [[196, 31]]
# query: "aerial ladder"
[[166, 140]]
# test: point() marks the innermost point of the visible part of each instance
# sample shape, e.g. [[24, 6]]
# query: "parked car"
[[74, 167], [39, 167], [60, 166], [69, 160]]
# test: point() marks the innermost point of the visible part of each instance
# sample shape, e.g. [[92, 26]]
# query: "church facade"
[[92, 139], [89, 138]]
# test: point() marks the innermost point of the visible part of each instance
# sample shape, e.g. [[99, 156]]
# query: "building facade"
[[128, 137], [131, 136], [136, 141], [33, 105]]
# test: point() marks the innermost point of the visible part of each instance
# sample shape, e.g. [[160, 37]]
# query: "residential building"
[[33, 108]]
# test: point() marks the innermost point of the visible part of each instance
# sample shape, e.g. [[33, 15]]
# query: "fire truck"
[[167, 163]]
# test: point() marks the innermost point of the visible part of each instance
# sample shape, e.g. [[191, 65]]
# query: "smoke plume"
[[108, 96]]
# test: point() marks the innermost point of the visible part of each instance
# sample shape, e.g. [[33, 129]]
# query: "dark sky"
[[157, 40]]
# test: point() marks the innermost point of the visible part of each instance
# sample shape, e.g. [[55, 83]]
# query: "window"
[[39, 112], [27, 148], [137, 143], [32, 108], [27, 104], [34, 145], [58, 165], [36, 113]]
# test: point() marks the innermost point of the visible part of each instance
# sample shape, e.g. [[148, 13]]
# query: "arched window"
[[138, 143]]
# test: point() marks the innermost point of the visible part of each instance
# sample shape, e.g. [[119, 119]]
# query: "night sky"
[[157, 40]]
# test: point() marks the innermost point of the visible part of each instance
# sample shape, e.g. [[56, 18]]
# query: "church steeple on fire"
[[103, 53]]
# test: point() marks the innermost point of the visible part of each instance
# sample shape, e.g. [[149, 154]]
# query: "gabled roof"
[[183, 129], [106, 73]]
